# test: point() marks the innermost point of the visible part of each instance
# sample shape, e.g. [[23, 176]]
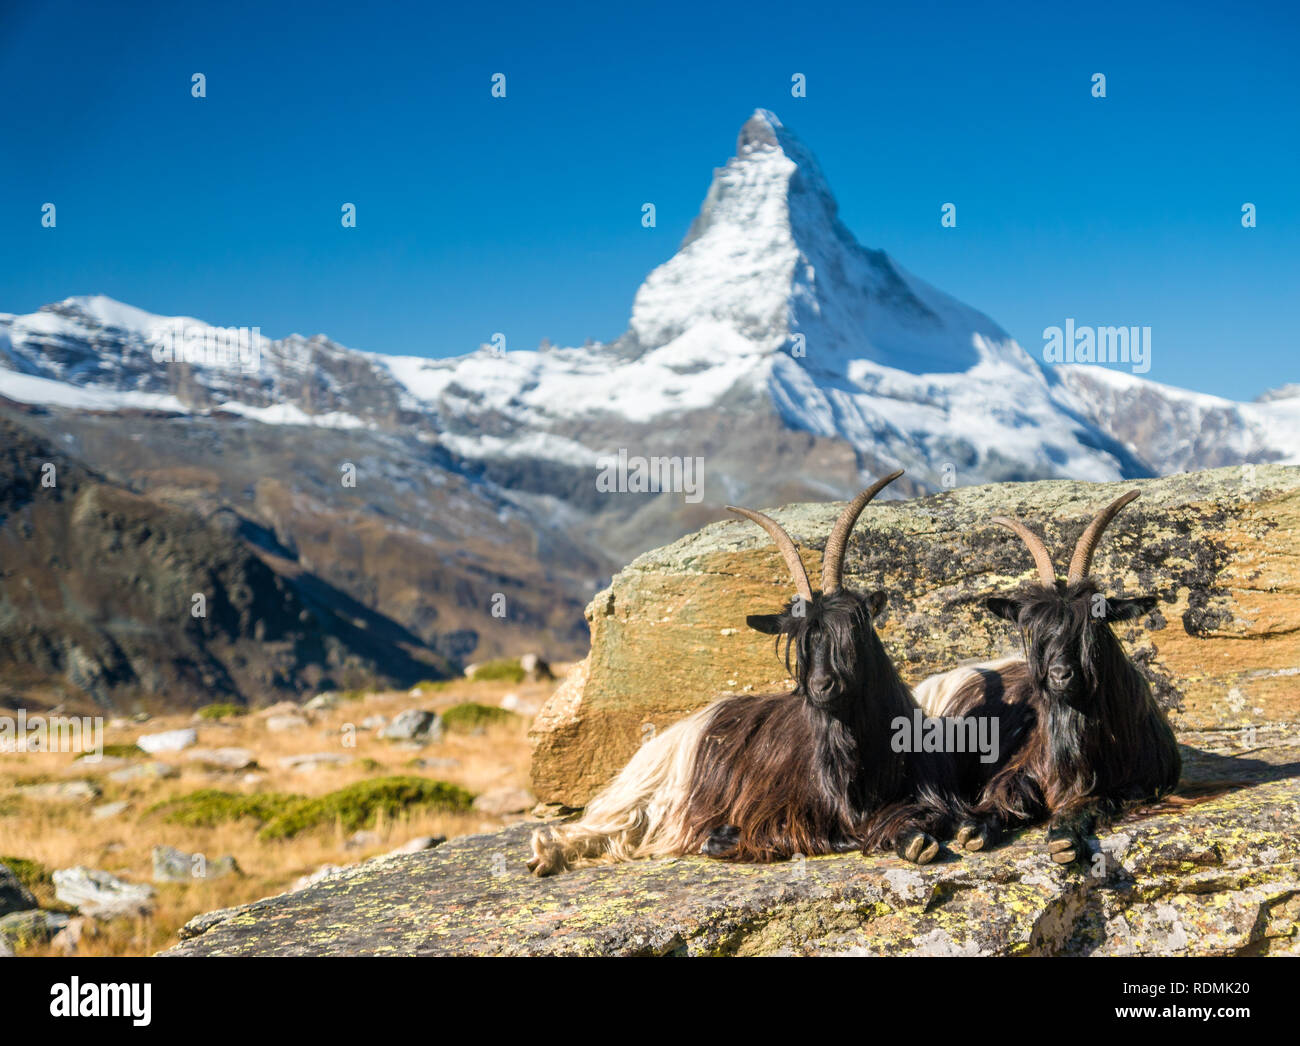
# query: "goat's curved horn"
[[1046, 572], [787, 547], [1081, 561], [833, 557]]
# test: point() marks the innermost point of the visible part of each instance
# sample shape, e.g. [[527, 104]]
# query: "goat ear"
[[876, 602], [1128, 609], [768, 624], [1007, 609]]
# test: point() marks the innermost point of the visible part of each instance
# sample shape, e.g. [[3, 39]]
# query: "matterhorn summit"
[[768, 258]]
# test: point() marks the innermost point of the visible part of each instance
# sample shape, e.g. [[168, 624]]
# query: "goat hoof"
[[540, 866], [973, 836], [547, 857], [721, 841], [1065, 846], [919, 848]]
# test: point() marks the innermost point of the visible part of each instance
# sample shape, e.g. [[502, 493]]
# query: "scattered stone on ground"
[[100, 894], [501, 802], [323, 702], [155, 769], [14, 896], [60, 791], [24, 929], [312, 761], [228, 758], [168, 740], [535, 667], [171, 865], [283, 723], [414, 724]]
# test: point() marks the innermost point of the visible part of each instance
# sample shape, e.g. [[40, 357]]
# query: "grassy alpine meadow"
[[321, 787]]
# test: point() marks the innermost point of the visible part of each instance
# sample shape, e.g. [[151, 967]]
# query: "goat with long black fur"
[[807, 772], [1080, 733]]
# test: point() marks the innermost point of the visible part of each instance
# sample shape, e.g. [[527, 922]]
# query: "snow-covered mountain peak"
[[768, 257]]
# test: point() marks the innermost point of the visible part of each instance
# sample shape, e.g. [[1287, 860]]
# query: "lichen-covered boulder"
[[1218, 877], [1220, 548]]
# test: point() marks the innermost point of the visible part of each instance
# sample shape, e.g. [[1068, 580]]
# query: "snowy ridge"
[[770, 304]]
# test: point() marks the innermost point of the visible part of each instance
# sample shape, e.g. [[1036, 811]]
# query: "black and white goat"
[[1081, 734], [758, 778]]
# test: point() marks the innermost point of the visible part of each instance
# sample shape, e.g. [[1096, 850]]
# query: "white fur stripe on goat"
[[638, 814], [934, 692]]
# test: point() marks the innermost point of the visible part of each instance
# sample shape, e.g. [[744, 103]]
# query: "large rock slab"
[[1220, 877], [1220, 548]]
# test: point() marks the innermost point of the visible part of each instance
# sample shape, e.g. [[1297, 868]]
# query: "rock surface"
[[25, 929], [1222, 649], [414, 724], [228, 758], [168, 741], [14, 896], [60, 791], [1220, 877], [155, 769], [100, 894], [500, 802], [171, 865]]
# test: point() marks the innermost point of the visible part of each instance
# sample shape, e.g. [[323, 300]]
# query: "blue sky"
[[522, 215]]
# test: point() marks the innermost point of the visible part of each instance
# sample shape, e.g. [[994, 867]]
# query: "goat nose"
[[1060, 676]]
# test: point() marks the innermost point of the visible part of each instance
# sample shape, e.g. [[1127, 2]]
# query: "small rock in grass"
[[100, 894], [223, 758], [168, 740], [141, 771], [500, 802], [282, 723], [60, 791], [414, 725]]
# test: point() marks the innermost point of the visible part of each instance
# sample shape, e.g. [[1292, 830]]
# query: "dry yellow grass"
[[61, 835]]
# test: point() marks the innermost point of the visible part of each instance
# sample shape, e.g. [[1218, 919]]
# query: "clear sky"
[[523, 214]]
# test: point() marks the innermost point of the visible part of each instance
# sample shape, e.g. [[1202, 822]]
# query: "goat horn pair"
[[833, 557], [1081, 561]]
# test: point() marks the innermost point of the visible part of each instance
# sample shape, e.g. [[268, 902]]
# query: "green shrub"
[[221, 710], [283, 815], [209, 807], [507, 668], [357, 805], [31, 874], [471, 716], [124, 751]]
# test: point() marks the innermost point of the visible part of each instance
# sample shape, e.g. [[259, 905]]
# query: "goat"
[[811, 771], [1081, 733]]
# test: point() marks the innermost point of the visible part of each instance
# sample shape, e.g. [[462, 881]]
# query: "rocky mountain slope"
[[120, 599]]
